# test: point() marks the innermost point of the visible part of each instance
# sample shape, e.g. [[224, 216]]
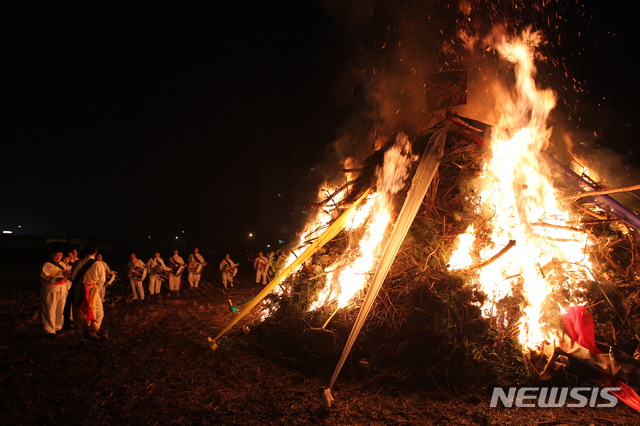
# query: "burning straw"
[[449, 314]]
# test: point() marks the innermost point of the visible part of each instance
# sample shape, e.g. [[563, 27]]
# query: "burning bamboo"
[[326, 236], [602, 192], [421, 181], [602, 201]]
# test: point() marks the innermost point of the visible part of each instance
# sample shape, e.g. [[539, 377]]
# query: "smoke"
[[587, 152], [387, 48]]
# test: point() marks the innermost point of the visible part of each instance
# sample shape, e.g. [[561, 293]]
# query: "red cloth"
[[84, 306], [580, 327], [626, 394]]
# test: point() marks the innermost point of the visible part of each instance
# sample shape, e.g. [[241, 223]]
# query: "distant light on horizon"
[[7, 232], [250, 234]]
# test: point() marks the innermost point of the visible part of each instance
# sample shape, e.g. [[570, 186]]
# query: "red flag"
[[580, 328]]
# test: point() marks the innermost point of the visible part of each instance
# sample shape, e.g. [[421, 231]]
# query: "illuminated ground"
[[157, 368]]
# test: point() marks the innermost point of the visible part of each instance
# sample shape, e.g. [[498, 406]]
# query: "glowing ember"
[[519, 203]]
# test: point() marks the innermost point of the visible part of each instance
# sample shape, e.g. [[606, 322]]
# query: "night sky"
[[133, 121], [126, 121]]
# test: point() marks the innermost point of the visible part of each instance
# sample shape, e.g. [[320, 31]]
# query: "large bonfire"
[[516, 206], [495, 257]]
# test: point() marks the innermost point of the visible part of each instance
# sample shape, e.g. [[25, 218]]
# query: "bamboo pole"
[[602, 192], [429, 162], [326, 236]]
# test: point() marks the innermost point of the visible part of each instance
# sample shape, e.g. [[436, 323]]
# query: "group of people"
[[73, 289], [267, 267], [157, 271]]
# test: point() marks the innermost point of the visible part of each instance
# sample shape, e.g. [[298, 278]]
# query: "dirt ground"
[[157, 367]]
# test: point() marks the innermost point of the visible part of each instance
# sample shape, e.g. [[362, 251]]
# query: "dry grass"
[[425, 354], [425, 331]]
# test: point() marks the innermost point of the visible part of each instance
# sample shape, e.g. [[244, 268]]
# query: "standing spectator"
[[88, 311], [109, 276], [137, 272], [196, 263], [155, 265], [281, 262], [72, 262], [176, 263], [261, 266], [228, 269], [73, 257], [53, 293], [69, 268]]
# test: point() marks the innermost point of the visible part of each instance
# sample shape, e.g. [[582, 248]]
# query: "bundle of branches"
[[425, 328], [614, 294]]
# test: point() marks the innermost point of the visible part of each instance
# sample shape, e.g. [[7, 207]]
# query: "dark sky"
[[130, 121]]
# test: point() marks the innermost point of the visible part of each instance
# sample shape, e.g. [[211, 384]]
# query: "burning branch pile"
[[427, 325], [492, 264]]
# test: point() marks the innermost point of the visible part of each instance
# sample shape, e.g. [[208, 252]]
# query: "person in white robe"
[[261, 266], [110, 276], [137, 272], [281, 262], [228, 270], [54, 280], [176, 263], [196, 264], [155, 265], [88, 312]]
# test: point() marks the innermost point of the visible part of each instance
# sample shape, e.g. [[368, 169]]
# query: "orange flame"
[[518, 202], [345, 278], [349, 275]]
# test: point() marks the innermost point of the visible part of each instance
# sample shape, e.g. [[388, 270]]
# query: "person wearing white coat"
[[53, 293], [88, 311], [137, 272], [110, 276], [176, 263], [228, 270], [261, 265], [155, 265], [196, 263]]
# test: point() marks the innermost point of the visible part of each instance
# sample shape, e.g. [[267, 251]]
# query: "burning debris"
[[486, 268]]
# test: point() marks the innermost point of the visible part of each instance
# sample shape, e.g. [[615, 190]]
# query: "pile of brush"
[[425, 328]]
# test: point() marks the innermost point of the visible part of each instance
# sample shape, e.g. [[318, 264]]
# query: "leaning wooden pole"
[[603, 192], [323, 239], [422, 178]]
